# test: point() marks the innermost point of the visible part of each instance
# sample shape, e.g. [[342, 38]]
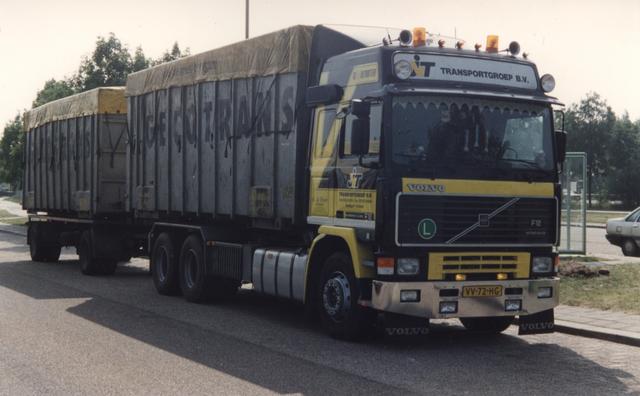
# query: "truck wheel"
[[164, 266], [39, 251], [108, 266], [340, 313], [193, 282], [489, 325], [89, 265], [629, 248]]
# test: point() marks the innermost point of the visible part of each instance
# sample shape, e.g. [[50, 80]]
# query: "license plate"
[[482, 291]]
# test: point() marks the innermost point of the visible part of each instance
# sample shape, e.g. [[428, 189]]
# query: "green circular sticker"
[[427, 228]]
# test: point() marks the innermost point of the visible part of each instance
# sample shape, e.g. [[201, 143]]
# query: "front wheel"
[[342, 316], [489, 325], [629, 248]]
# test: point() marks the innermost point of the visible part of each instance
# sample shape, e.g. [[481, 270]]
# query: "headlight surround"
[[402, 69], [408, 266], [542, 265]]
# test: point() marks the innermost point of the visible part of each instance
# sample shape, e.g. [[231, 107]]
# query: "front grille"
[[478, 266], [476, 220]]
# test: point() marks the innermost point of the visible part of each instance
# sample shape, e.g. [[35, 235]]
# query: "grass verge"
[[9, 218], [620, 291]]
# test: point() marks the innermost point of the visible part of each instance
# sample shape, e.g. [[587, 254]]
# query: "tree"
[[108, 66], [11, 147], [172, 55], [140, 62], [53, 90], [624, 179], [589, 124]]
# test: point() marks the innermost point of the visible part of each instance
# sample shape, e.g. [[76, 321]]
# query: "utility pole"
[[246, 22]]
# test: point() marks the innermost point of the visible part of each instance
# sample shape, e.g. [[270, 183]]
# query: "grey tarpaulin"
[[279, 52]]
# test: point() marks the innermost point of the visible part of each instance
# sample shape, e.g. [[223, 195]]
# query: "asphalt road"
[[65, 333]]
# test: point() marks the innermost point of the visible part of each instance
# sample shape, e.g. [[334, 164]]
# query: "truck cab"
[[442, 163]]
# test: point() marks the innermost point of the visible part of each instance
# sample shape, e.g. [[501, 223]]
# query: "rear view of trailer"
[[220, 134], [74, 155]]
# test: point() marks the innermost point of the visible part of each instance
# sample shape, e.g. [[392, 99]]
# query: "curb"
[[612, 335], [8, 230]]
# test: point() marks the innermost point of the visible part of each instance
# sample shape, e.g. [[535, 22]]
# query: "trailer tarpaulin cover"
[[279, 52], [107, 100]]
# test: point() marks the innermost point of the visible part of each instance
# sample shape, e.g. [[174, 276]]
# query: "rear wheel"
[[193, 282], [489, 325], [89, 264], [629, 248], [164, 266], [339, 292], [39, 250]]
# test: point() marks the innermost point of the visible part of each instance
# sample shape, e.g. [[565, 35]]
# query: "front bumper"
[[386, 297]]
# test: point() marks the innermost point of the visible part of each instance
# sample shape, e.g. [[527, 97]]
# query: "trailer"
[[413, 179]]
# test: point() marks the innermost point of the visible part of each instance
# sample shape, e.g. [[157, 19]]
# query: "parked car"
[[625, 232]]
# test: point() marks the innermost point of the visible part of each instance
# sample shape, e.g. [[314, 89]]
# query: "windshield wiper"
[[531, 165]]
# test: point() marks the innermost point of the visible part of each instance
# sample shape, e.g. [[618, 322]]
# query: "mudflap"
[[538, 323], [396, 325]]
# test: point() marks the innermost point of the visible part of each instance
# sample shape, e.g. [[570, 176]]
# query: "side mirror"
[[561, 145], [324, 94], [360, 136]]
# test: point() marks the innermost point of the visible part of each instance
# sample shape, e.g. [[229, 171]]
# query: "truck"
[[410, 180]]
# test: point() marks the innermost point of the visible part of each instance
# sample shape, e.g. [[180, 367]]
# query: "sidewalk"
[[594, 323]]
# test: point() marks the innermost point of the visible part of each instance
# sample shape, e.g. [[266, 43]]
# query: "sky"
[[587, 45]]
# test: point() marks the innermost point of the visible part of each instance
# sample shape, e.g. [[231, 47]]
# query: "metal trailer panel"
[[77, 165], [229, 148]]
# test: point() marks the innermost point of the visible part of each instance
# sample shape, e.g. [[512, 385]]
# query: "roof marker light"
[[419, 36], [478, 46], [459, 44], [441, 43], [492, 43]]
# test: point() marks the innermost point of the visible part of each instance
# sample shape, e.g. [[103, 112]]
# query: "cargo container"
[[412, 178]]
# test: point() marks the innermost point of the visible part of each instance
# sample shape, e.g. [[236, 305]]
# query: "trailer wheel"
[[164, 266], [488, 325], [342, 316], [193, 281], [629, 248], [39, 251]]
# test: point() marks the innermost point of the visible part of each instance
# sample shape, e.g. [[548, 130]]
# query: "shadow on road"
[[296, 357]]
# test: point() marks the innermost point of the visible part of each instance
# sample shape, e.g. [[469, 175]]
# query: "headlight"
[[548, 82], [541, 265], [402, 68], [408, 266]]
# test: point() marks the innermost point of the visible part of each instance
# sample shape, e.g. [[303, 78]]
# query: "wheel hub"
[[336, 296]]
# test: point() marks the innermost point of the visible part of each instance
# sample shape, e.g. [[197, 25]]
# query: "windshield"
[[468, 135]]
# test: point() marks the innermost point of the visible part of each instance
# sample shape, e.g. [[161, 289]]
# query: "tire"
[[193, 281], [338, 295], [38, 250], [488, 325], [629, 248], [164, 266], [90, 265]]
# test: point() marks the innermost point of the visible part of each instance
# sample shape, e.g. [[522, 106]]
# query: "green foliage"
[[624, 179], [172, 55], [140, 62], [108, 66], [589, 124], [53, 90], [11, 148]]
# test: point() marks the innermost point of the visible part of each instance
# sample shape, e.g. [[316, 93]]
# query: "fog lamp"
[[409, 295], [448, 307], [545, 292], [408, 266], [513, 305], [402, 69], [541, 265]]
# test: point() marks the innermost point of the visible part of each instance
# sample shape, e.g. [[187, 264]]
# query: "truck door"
[[355, 198], [324, 151]]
